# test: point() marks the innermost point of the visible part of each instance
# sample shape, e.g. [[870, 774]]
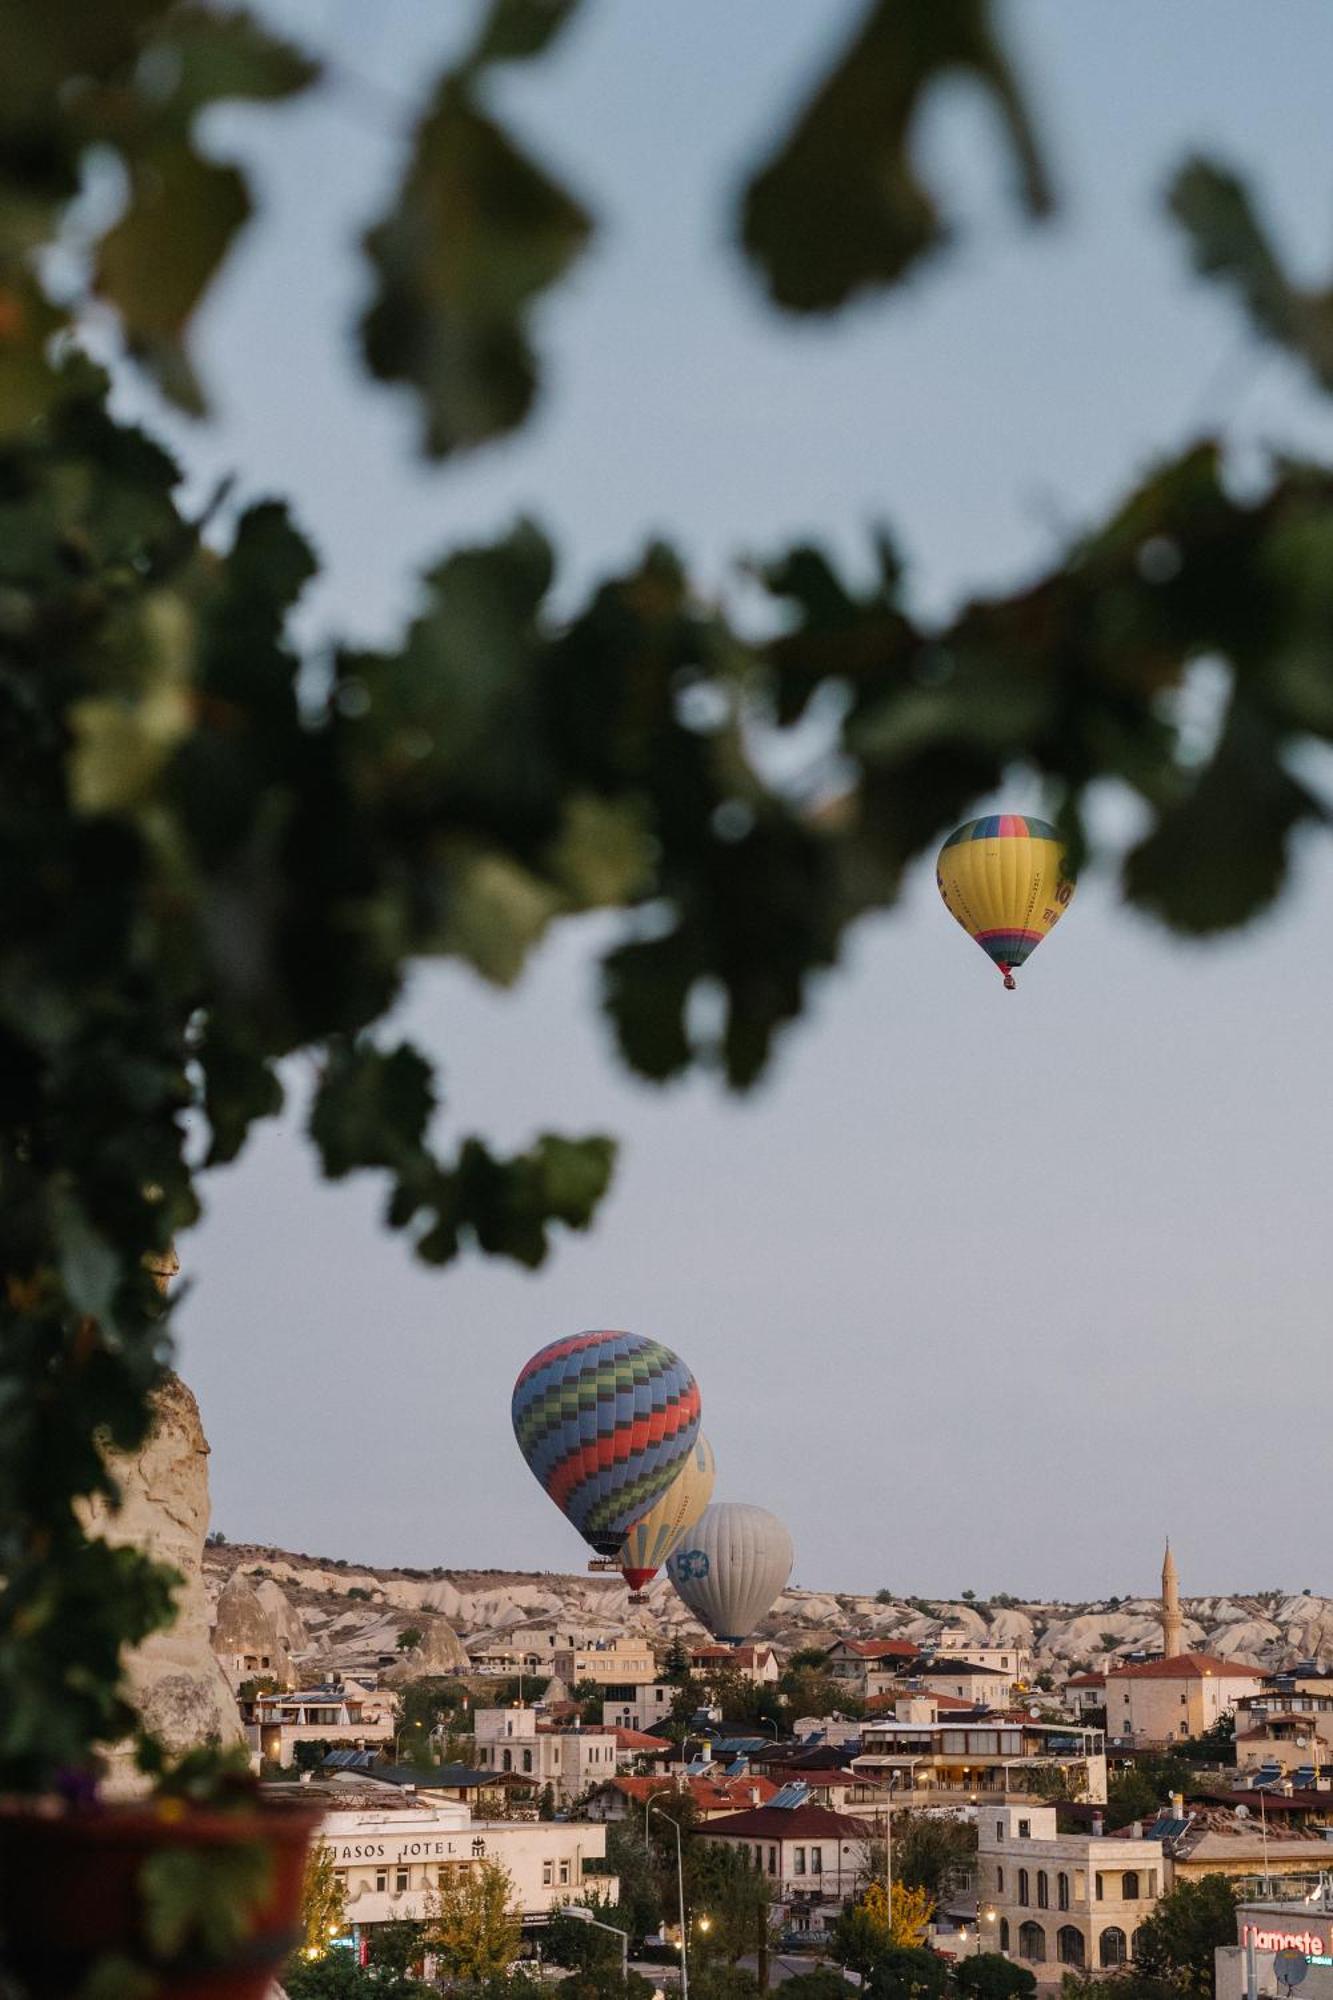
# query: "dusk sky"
[[982, 1290]]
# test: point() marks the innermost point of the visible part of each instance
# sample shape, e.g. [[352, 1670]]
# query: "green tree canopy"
[[1177, 1942]]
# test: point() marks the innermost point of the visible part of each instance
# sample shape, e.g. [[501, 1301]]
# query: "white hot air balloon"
[[730, 1567]]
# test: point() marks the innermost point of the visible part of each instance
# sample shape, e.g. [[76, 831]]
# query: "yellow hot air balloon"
[[651, 1540], [1004, 880]]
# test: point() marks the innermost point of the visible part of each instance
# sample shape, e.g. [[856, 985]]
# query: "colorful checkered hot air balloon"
[[1004, 879], [605, 1422]]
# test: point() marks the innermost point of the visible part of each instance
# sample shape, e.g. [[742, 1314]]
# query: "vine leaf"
[[1220, 856], [840, 208], [475, 233], [1230, 243]]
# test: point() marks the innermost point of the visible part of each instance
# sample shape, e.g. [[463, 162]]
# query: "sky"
[[982, 1290]]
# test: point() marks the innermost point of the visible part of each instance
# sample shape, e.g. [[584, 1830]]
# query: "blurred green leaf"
[[840, 208], [157, 262], [514, 29], [1220, 856], [476, 232], [1229, 243], [372, 1108], [207, 55]]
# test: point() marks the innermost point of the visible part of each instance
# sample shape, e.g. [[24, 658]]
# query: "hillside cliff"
[[348, 1611]]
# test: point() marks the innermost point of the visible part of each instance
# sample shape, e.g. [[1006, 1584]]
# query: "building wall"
[[649, 1704], [1155, 1711], [1055, 1902], [389, 1862], [827, 1869], [628, 1661]]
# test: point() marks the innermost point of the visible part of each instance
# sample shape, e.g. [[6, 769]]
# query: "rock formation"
[[174, 1678]]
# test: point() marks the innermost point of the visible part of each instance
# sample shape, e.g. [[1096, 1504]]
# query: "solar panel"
[[795, 1794]]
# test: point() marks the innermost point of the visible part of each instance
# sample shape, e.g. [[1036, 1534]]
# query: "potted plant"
[[191, 1894]]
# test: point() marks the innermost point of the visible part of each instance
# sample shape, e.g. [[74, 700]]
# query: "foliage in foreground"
[[215, 855]]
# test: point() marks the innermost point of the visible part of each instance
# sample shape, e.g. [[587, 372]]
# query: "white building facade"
[[390, 1861], [1061, 1902]]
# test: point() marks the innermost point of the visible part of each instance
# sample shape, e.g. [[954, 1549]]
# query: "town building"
[[1265, 1928], [1259, 1855], [714, 1793], [1006, 1656], [641, 1707], [389, 1859], [967, 1680], [973, 1757], [758, 1664], [815, 1860], [347, 1715], [1182, 1695], [855, 1661], [622, 1663], [1281, 1731], [1059, 1902], [1085, 1694], [568, 1760]]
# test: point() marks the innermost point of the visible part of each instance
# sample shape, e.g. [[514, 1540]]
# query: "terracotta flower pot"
[[70, 1894]]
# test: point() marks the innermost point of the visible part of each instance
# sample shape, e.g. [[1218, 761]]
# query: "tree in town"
[[932, 1854], [676, 1665], [809, 1691], [435, 1701], [822, 1984], [546, 1801], [1142, 1788], [991, 1976], [579, 1946], [396, 1949], [471, 1923], [409, 1639], [634, 1865], [216, 854], [731, 1905], [1177, 1941], [322, 1902], [863, 1933], [903, 1972]]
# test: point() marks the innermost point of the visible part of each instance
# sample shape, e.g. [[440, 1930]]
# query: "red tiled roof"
[[882, 1649], [942, 1702], [1188, 1667], [635, 1739], [1086, 1681], [789, 1823], [709, 1794]]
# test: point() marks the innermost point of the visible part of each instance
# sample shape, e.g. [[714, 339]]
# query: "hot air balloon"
[[1004, 879], [605, 1422], [730, 1568], [651, 1540]]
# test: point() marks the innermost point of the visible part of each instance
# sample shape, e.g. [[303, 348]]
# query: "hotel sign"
[[1312, 1944]]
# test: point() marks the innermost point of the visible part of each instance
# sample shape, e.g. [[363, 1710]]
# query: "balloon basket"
[[604, 1565], [637, 1597]]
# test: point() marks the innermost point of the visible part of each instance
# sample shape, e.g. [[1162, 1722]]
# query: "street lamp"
[[680, 1894], [585, 1916]]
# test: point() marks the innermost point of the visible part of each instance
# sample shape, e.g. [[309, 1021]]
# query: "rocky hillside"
[[328, 1613]]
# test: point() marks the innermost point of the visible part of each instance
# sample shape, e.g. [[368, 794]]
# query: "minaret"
[[1172, 1636]]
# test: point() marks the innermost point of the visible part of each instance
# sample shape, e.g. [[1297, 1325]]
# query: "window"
[[1062, 1893], [999, 1881], [548, 1874], [1129, 1888], [381, 1881], [564, 1873], [999, 1829], [1112, 1948], [402, 1880], [1025, 1829], [798, 1866], [816, 1860], [772, 1860], [1100, 1889], [1032, 1943], [1069, 1945], [1043, 1890], [1004, 1933], [527, 1760], [508, 1760], [1023, 1887]]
